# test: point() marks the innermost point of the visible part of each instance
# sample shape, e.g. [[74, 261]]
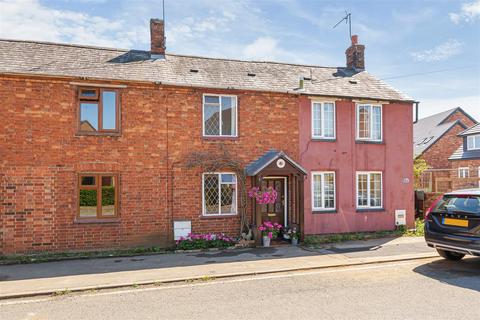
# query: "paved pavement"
[[417, 289], [75, 275]]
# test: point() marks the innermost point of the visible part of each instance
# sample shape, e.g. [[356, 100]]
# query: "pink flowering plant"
[[204, 241], [270, 229], [263, 196]]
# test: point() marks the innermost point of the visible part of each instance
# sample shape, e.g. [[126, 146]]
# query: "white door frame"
[[285, 205]]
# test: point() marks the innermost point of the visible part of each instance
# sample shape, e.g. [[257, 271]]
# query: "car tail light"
[[429, 210]]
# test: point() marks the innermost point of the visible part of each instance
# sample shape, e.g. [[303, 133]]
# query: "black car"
[[452, 224]]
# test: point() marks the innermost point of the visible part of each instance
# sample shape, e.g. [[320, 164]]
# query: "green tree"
[[419, 166]]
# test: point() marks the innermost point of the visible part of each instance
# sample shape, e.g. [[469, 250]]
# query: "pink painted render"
[[345, 156]]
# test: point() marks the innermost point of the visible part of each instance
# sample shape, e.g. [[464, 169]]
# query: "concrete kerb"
[[354, 262]]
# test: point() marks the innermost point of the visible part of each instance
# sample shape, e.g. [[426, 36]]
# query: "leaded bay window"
[[219, 194], [98, 195], [323, 190], [369, 190], [369, 122], [219, 116], [323, 120]]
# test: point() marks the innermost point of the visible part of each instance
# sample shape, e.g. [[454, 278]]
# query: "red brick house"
[[96, 142], [436, 138], [465, 161]]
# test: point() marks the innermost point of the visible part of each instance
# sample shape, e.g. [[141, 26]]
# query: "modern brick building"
[[465, 160], [101, 147], [436, 138]]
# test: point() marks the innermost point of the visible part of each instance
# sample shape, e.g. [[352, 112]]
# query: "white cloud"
[[471, 104], [29, 19], [263, 48], [468, 13], [441, 52]]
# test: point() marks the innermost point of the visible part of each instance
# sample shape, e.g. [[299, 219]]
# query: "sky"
[[427, 49]]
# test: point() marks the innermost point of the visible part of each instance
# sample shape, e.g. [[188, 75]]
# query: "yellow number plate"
[[455, 222]]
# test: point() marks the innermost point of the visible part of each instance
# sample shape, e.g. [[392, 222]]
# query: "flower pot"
[[294, 241], [266, 241]]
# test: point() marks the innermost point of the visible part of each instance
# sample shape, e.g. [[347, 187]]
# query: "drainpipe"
[[416, 111]]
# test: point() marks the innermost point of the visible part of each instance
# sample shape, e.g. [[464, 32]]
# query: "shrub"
[[204, 241]]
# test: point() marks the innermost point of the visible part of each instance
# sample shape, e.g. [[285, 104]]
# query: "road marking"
[[290, 274]]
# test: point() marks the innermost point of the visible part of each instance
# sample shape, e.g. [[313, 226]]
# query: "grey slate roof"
[[460, 154], [41, 58], [428, 130], [258, 165], [472, 130]]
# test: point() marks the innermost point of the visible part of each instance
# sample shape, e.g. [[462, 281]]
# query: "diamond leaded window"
[[219, 194]]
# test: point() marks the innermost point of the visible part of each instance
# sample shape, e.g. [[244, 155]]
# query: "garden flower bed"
[[205, 241]]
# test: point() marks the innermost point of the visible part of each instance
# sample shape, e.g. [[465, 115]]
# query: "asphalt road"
[[419, 289]]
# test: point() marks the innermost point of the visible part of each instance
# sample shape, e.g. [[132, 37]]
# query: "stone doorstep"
[[336, 263]]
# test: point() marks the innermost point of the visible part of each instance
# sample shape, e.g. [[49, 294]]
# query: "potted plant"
[[269, 231], [293, 235]]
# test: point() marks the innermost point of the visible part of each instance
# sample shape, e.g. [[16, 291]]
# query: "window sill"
[[369, 142], [219, 216], [370, 210], [100, 134], [219, 138], [324, 139], [94, 221], [324, 211]]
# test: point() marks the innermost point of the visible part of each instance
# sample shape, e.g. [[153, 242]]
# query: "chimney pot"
[[157, 38], [354, 39], [355, 55]]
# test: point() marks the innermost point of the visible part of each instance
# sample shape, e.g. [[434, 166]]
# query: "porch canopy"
[[277, 169]]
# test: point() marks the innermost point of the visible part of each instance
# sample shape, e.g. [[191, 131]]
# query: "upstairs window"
[[219, 116], [99, 111], [369, 122], [473, 142], [323, 120]]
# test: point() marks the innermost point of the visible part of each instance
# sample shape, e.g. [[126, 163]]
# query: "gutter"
[[174, 84]]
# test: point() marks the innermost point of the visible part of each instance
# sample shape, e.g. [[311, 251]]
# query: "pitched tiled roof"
[[428, 130], [472, 130], [461, 154], [40, 58], [268, 157]]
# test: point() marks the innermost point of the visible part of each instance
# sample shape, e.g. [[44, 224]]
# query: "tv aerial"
[[347, 19]]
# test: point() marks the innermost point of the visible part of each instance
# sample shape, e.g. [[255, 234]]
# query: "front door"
[[274, 212]]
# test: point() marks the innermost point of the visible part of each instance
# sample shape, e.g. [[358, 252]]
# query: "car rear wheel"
[[450, 255]]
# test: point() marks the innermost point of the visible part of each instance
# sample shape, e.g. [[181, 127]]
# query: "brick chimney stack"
[[355, 55], [157, 39]]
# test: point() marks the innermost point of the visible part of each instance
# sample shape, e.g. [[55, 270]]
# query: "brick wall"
[[458, 115], [473, 181], [437, 155], [42, 156]]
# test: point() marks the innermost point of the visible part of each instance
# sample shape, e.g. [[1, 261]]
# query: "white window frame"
[[204, 213], [462, 170], [475, 147], [368, 206], [357, 121], [322, 112], [220, 115], [322, 173]]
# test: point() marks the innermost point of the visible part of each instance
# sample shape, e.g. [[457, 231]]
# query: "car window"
[[459, 203]]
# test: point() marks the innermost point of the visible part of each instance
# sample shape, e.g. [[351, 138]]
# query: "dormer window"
[[473, 142]]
